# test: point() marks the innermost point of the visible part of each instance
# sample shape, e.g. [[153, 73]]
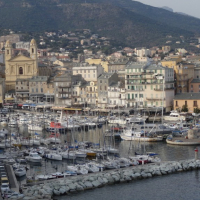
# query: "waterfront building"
[[63, 90], [22, 90], [190, 100], [117, 94], [104, 81], [41, 89], [92, 93], [144, 85], [88, 72]]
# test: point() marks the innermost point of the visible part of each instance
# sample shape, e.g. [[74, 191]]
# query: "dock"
[[12, 179]]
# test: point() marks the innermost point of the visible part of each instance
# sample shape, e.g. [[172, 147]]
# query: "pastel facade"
[[20, 66], [191, 100], [144, 85]]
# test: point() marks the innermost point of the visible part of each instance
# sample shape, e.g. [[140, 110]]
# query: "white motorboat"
[[35, 128], [53, 156], [68, 154], [13, 123], [174, 116], [80, 154], [20, 172], [112, 150], [34, 157], [53, 140], [111, 164], [139, 136], [91, 167], [4, 122], [3, 132], [117, 121]]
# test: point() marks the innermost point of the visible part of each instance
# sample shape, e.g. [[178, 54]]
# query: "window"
[[8, 52], [141, 95], [36, 89], [185, 103], [32, 89], [100, 81], [32, 50], [191, 86], [195, 104], [20, 70], [135, 95], [132, 96], [41, 89], [105, 88]]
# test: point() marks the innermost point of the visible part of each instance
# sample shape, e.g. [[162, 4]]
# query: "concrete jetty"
[[14, 186], [71, 184]]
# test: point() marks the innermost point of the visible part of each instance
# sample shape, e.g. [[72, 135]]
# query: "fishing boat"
[[140, 136]]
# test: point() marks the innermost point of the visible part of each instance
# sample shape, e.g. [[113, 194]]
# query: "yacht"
[[20, 172], [174, 116], [68, 155], [53, 156], [34, 157]]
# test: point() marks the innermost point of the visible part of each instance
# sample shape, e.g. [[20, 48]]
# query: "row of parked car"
[[6, 192]]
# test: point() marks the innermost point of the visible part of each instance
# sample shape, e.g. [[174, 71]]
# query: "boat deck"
[[183, 141], [12, 179]]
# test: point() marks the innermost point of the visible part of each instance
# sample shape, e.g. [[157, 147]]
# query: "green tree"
[[196, 110], [184, 108]]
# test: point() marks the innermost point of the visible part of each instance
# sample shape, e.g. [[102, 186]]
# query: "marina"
[[77, 146]]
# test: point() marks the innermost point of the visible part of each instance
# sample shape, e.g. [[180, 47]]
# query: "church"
[[21, 66]]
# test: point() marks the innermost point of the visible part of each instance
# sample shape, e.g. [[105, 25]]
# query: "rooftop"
[[187, 96], [195, 80]]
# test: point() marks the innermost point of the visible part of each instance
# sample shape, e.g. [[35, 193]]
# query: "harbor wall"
[[73, 184]]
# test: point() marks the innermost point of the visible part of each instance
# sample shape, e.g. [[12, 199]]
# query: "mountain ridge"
[[120, 20]]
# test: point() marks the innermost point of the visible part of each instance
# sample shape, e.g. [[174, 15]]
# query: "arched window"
[[32, 50], [8, 52], [20, 70]]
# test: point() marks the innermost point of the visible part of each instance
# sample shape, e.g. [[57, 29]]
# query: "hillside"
[[128, 22]]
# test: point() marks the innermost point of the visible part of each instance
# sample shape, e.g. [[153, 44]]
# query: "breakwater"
[[67, 185]]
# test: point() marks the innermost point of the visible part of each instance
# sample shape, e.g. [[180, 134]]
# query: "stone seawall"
[[79, 183]]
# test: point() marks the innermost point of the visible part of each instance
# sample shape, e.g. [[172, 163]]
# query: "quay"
[[14, 186], [50, 188]]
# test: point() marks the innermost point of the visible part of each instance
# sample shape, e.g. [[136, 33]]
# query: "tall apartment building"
[[88, 72], [144, 85], [104, 81]]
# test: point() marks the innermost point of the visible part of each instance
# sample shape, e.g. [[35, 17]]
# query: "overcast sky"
[[190, 7]]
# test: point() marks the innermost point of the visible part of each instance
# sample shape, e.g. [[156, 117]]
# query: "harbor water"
[[175, 186]]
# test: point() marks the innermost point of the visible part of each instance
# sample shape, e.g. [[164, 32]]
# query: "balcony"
[[131, 100], [160, 89], [64, 92], [65, 86], [155, 99], [64, 97]]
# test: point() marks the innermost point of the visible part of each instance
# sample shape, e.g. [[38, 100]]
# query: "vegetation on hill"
[[126, 21]]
